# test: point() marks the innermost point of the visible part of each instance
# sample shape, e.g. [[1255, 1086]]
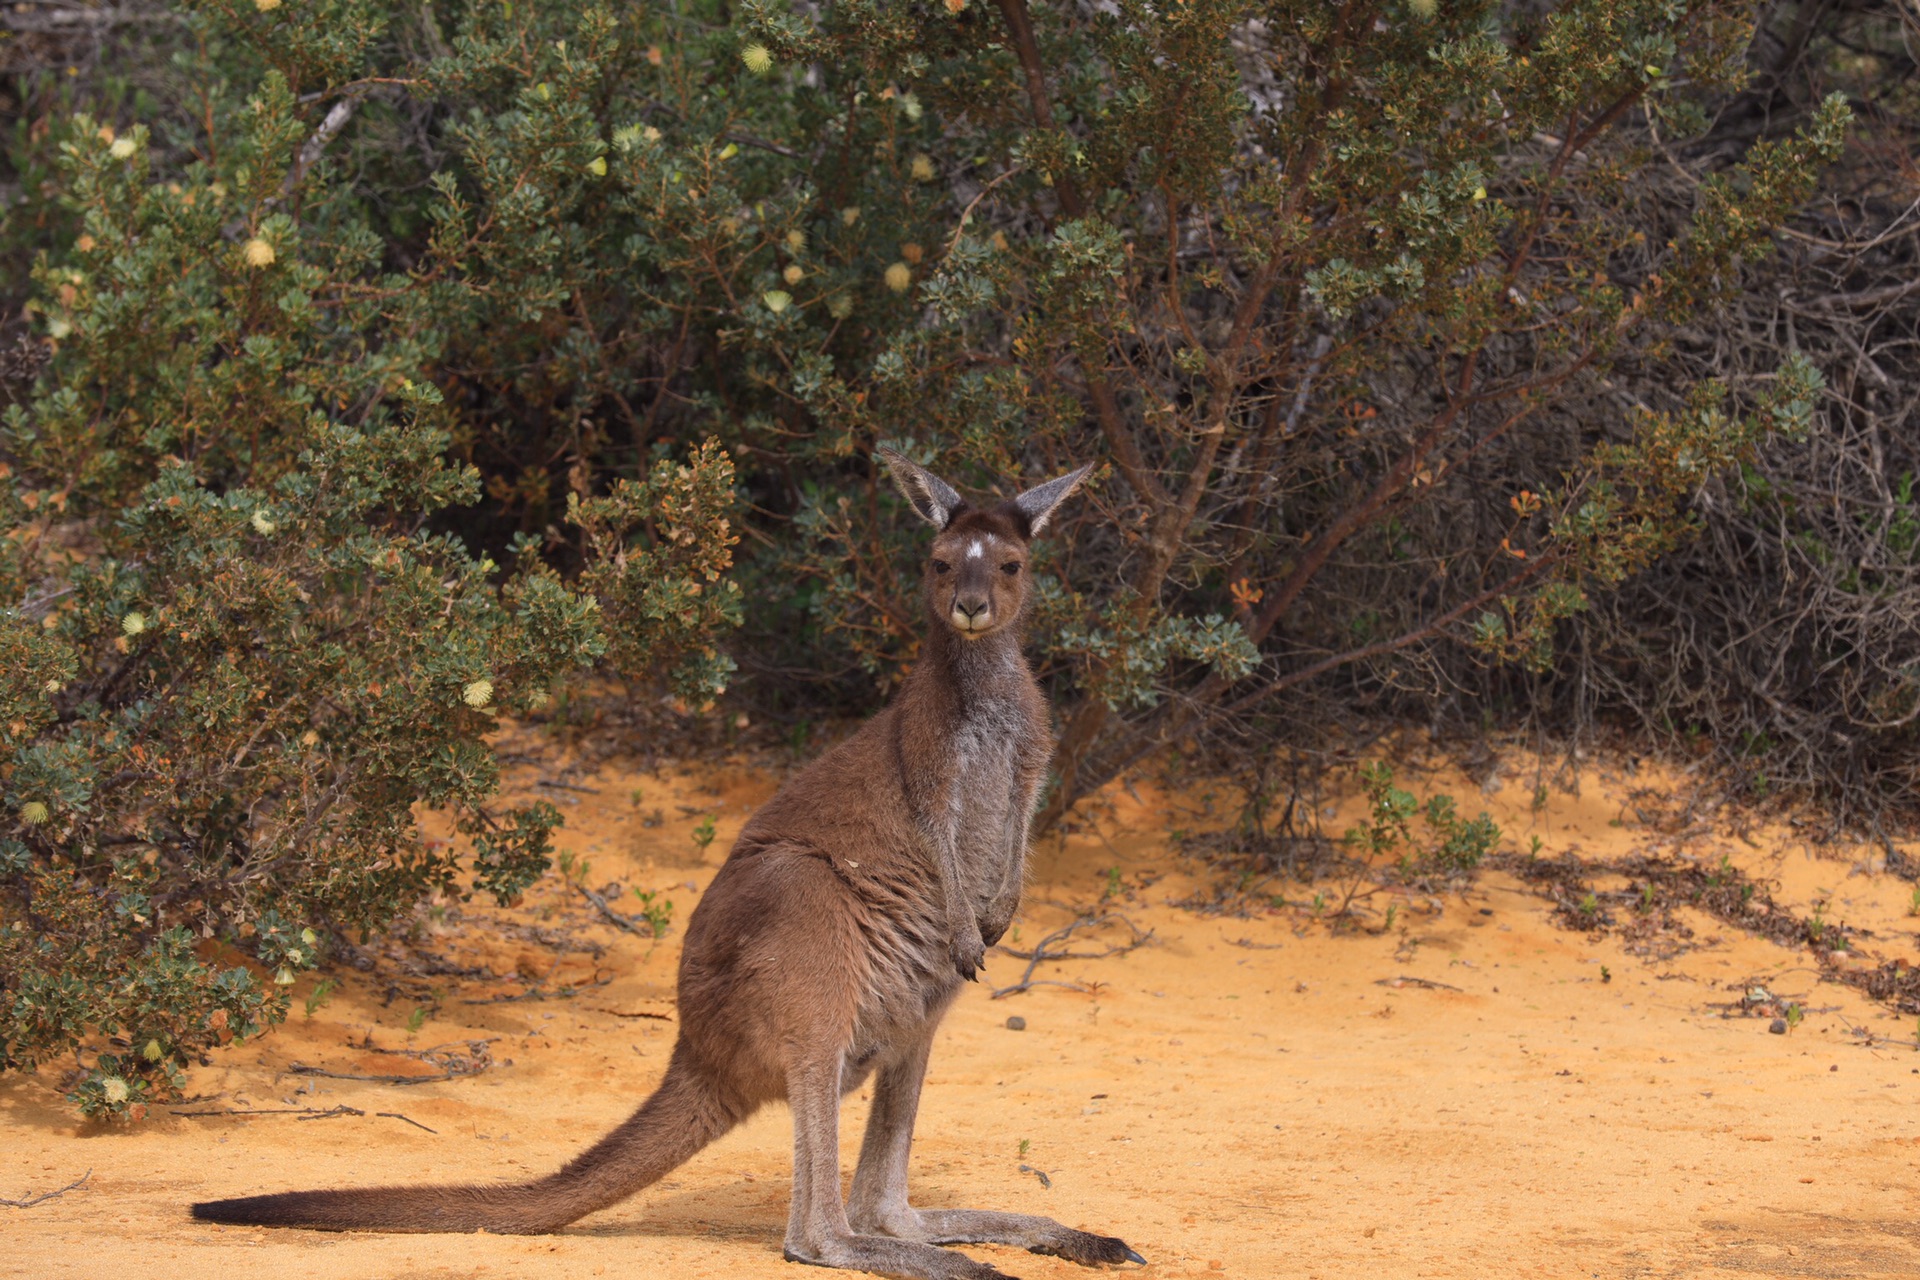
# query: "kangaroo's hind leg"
[[879, 1200], [817, 1227]]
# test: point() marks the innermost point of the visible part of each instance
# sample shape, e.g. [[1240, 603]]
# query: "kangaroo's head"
[[977, 577]]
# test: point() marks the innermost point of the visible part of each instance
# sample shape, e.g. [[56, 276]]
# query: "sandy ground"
[[1244, 1096]]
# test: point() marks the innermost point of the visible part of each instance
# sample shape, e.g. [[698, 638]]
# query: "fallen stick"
[[476, 1059], [1040, 952], [302, 1113], [42, 1198], [1403, 981], [606, 909]]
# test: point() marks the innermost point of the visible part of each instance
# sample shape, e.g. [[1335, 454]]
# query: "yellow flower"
[[257, 252], [757, 59], [840, 306], [33, 813], [1423, 8], [899, 277], [1479, 193], [261, 524], [266, 6], [955, 6], [134, 623], [776, 300], [850, 215], [923, 168], [122, 149], [115, 1089], [912, 252], [51, 686], [597, 166], [796, 240], [478, 694], [793, 274]]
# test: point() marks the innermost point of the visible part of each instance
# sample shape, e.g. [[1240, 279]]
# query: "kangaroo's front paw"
[[969, 952]]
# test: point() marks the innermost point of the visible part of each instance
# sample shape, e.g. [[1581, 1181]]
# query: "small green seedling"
[[656, 911], [1025, 1146], [703, 834], [321, 993], [1795, 1015], [1113, 884], [418, 1019], [1606, 974]]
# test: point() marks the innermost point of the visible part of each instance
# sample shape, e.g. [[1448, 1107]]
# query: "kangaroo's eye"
[[1010, 568], [941, 566]]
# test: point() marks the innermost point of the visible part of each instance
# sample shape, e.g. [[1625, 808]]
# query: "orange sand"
[[1263, 1110]]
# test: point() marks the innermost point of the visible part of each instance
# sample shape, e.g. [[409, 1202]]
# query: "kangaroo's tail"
[[684, 1114]]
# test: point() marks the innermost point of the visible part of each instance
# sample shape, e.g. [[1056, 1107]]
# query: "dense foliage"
[[384, 364]]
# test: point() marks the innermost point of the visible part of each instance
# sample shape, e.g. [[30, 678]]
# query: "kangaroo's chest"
[[985, 753]]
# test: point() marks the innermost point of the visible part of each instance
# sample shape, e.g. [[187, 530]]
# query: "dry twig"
[[1040, 953], [45, 1196]]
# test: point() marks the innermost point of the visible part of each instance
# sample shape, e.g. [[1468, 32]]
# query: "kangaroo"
[[830, 945]]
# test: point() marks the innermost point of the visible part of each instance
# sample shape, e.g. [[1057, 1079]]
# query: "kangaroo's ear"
[[931, 496], [1038, 503]]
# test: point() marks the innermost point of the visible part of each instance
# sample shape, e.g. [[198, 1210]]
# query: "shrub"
[[348, 301], [1450, 844], [241, 642]]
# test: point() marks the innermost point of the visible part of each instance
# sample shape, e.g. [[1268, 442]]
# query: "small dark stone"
[[1016, 1023], [1486, 911], [1778, 1026]]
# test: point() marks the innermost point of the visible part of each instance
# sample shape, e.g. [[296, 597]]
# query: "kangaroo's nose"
[[971, 609]]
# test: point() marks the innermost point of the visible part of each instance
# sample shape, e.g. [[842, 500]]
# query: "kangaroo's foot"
[[979, 1226], [887, 1256]]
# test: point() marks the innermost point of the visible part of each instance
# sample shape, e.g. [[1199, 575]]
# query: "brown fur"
[[829, 946]]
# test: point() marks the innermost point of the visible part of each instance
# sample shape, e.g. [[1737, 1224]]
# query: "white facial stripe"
[[975, 550]]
